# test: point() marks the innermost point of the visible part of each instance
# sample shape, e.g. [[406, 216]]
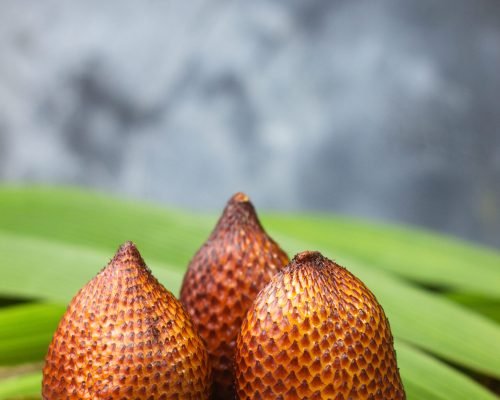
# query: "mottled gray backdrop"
[[380, 109]]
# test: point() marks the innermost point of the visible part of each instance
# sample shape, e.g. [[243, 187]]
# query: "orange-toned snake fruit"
[[222, 281], [124, 336], [316, 332]]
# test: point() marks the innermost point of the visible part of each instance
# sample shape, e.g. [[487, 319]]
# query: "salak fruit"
[[316, 332], [222, 281], [124, 336]]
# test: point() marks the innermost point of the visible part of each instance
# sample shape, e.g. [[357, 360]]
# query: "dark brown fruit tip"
[[240, 198], [124, 336], [128, 251], [316, 332], [308, 256], [239, 211], [222, 280]]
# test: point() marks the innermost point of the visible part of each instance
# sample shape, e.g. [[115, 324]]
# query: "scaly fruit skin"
[[223, 279], [124, 336], [316, 332]]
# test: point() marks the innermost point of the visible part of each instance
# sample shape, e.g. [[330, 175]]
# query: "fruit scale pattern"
[[222, 281], [316, 332], [124, 336]]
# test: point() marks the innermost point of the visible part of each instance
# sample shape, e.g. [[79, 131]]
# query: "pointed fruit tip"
[[127, 251], [240, 197], [308, 257], [128, 245]]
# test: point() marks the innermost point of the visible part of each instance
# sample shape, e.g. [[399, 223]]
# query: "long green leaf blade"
[[26, 331], [479, 304], [426, 378], [21, 387], [100, 222], [43, 269], [413, 254]]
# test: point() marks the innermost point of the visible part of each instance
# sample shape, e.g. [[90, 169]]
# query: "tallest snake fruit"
[[223, 279]]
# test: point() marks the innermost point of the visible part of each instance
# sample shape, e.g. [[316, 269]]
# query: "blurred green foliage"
[[441, 295]]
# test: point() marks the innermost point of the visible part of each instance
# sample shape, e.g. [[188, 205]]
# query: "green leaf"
[[414, 254], [53, 241], [43, 269], [102, 223], [424, 377], [26, 331], [21, 387], [482, 305]]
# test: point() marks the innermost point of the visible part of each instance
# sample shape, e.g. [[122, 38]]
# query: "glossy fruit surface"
[[316, 332], [124, 336], [223, 279]]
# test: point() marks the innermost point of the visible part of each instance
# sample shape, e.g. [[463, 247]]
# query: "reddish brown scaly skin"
[[223, 279], [316, 332], [124, 336]]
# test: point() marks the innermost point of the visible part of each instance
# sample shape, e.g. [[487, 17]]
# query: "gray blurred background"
[[384, 109]]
